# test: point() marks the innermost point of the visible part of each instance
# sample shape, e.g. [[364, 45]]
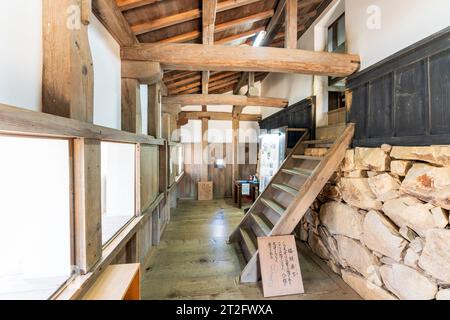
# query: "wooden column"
[[209, 8], [68, 77], [163, 168], [235, 144], [87, 190], [154, 110], [204, 170], [131, 106], [291, 24]]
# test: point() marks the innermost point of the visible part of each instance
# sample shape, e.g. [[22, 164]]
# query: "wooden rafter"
[[240, 36], [125, 5], [185, 16], [193, 35], [112, 18]]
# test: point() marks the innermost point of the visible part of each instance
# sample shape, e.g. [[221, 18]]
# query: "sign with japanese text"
[[280, 267]]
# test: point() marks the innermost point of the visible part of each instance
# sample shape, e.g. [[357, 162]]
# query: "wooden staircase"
[[287, 198]]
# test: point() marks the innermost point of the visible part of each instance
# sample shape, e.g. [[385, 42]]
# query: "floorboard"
[[194, 260]]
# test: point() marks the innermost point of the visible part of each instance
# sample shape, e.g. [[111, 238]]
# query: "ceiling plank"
[[240, 36], [193, 35], [112, 18], [185, 16], [125, 5], [221, 99], [197, 57]]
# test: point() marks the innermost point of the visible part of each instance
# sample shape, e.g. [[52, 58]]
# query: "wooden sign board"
[[205, 191], [280, 268]]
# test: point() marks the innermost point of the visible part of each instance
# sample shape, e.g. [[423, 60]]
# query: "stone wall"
[[382, 222]]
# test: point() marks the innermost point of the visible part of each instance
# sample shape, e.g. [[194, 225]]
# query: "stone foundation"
[[382, 222]]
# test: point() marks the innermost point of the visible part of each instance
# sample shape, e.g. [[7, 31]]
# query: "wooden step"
[[284, 187], [303, 157], [298, 172], [259, 227], [274, 206], [248, 246], [323, 141]]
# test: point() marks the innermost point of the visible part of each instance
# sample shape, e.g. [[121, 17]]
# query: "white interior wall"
[[107, 72], [35, 223], [21, 53], [144, 108], [402, 23]]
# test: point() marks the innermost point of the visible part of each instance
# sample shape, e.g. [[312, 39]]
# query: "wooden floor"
[[194, 260]]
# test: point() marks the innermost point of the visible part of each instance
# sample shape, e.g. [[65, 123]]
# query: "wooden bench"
[[117, 282]]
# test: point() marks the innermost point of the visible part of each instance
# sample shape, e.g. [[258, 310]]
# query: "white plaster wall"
[[21, 53], [403, 23], [107, 72], [144, 108]]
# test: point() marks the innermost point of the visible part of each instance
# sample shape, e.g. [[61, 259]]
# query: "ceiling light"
[[259, 38]]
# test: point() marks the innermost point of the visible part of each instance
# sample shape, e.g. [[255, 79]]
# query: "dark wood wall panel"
[[299, 115], [411, 98], [440, 92], [381, 107], [404, 99]]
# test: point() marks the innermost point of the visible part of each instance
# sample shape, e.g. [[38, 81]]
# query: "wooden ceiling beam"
[[221, 99], [145, 72], [195, 115], [181, 17], [112, 18], [193, 35], [197, 57]]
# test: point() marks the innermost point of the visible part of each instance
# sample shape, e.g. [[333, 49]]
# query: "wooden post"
[[68, 77], [204, 170], [131, 106], [163, 168], [291, 24], [154, 110], [235, 143], [209, 8], [87, 187]]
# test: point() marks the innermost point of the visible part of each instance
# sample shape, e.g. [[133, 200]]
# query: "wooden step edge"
[[303, 157], [248, 246], [283, 187], [298, 172], [261, 224], [274, 206], [323, 141]]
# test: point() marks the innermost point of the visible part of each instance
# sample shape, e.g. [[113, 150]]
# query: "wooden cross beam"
[[197, 57], [223, 99]]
